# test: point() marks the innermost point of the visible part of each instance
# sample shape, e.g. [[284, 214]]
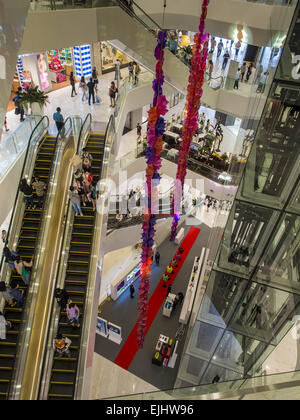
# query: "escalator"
[[29, 234], [64, 369]]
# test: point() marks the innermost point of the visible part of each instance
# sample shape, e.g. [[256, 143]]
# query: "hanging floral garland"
[[190, 125], [156, 128]]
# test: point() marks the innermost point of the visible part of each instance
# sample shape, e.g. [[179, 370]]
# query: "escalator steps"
[[63, 375]]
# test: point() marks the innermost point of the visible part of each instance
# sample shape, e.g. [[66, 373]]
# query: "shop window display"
[[109, 56]]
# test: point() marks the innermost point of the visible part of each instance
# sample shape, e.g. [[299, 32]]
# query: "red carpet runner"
[[130, 348]]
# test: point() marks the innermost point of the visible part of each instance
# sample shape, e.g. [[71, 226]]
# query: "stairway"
[[29, 234], [64, 369]]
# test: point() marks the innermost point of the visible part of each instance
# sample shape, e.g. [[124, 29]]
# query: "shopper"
[[91, 89], [28, 193], [18, 295], [75, 200], [259, 72], [117, 70], [237, 48], [84, 88], [131, 71], [237, 79], [61, 345], [72, 83], [10, 257], [62, 298], [86, 166], [157, 257], [87, 178], [132, 291], [7, 295], [173, 44], [80, 190], [23, 269], [175, 302], [58, 118], [86, 155], [138, 131], [220, 48], [226, 57], [39, 187], [112, 94], [249, 72], [137, 72], [213, 44], [95, 78], [19, 110], [73, 314], [93, 194], [4, 324], [243, 71], [262, 83]]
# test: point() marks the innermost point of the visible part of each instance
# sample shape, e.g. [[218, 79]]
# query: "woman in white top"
[[84, 89]]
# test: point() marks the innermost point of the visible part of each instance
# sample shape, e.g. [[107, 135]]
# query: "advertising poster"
[[43, 71]]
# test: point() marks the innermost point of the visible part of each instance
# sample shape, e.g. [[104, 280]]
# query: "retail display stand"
[[191, 290], [163, 351], [168, 306], [114, 333], [179, 236]]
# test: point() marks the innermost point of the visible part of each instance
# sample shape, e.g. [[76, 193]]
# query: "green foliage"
[[33, 95]]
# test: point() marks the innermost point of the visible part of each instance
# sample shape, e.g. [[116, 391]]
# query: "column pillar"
[[97, 59]]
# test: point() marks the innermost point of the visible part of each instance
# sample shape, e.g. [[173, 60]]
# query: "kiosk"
[[168, 306]]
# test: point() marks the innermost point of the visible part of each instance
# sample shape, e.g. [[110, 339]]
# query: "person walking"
[[213, 44], [19, 109], [237, 48], [226, 57], [157, 257], [220, 48], [131, 71], [117, 70], [210, 69], [243, 71], [39, 187], [249, 72], [72, 83], [75, 200], [112, 94], [137, 71], [73, 314], [58, 118], [237, 79], [259, 72], [22, 268], [84, 88], [138, 130], [132, 291], [27, 190], [95, 78], [61, 345], [91, 89]]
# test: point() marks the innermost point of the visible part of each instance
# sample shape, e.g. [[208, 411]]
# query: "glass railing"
[[274, 2], [240, 389], [12, 148], [34, 290], [35, 137]]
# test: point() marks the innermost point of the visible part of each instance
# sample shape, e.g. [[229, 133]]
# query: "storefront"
[[109, 56], [60, 64]]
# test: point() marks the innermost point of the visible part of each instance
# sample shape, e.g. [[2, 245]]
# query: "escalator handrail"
[[21, 177], [132, 14], [89, 116]]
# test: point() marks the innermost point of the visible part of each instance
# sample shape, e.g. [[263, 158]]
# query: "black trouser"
[[59, 125], [236, 84], [224, 64], [219, 53], [22, 112], [91, 94], [73, 90], [40, 199]]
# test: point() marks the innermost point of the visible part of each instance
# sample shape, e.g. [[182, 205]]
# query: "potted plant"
[[35, 99]]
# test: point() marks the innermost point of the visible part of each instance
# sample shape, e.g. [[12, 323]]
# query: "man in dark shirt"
[[91, 86], [226, 57]]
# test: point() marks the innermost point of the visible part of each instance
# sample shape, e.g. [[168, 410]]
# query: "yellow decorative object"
[[120, 56], [185, 41], [240, 34]]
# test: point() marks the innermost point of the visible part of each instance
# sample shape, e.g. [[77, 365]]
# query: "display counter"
[[168, 306], [163, 351]]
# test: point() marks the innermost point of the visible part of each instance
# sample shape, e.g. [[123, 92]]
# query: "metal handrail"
[[21, 177], [88, 117]]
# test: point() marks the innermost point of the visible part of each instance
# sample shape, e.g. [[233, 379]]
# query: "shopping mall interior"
[[150, 200]]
